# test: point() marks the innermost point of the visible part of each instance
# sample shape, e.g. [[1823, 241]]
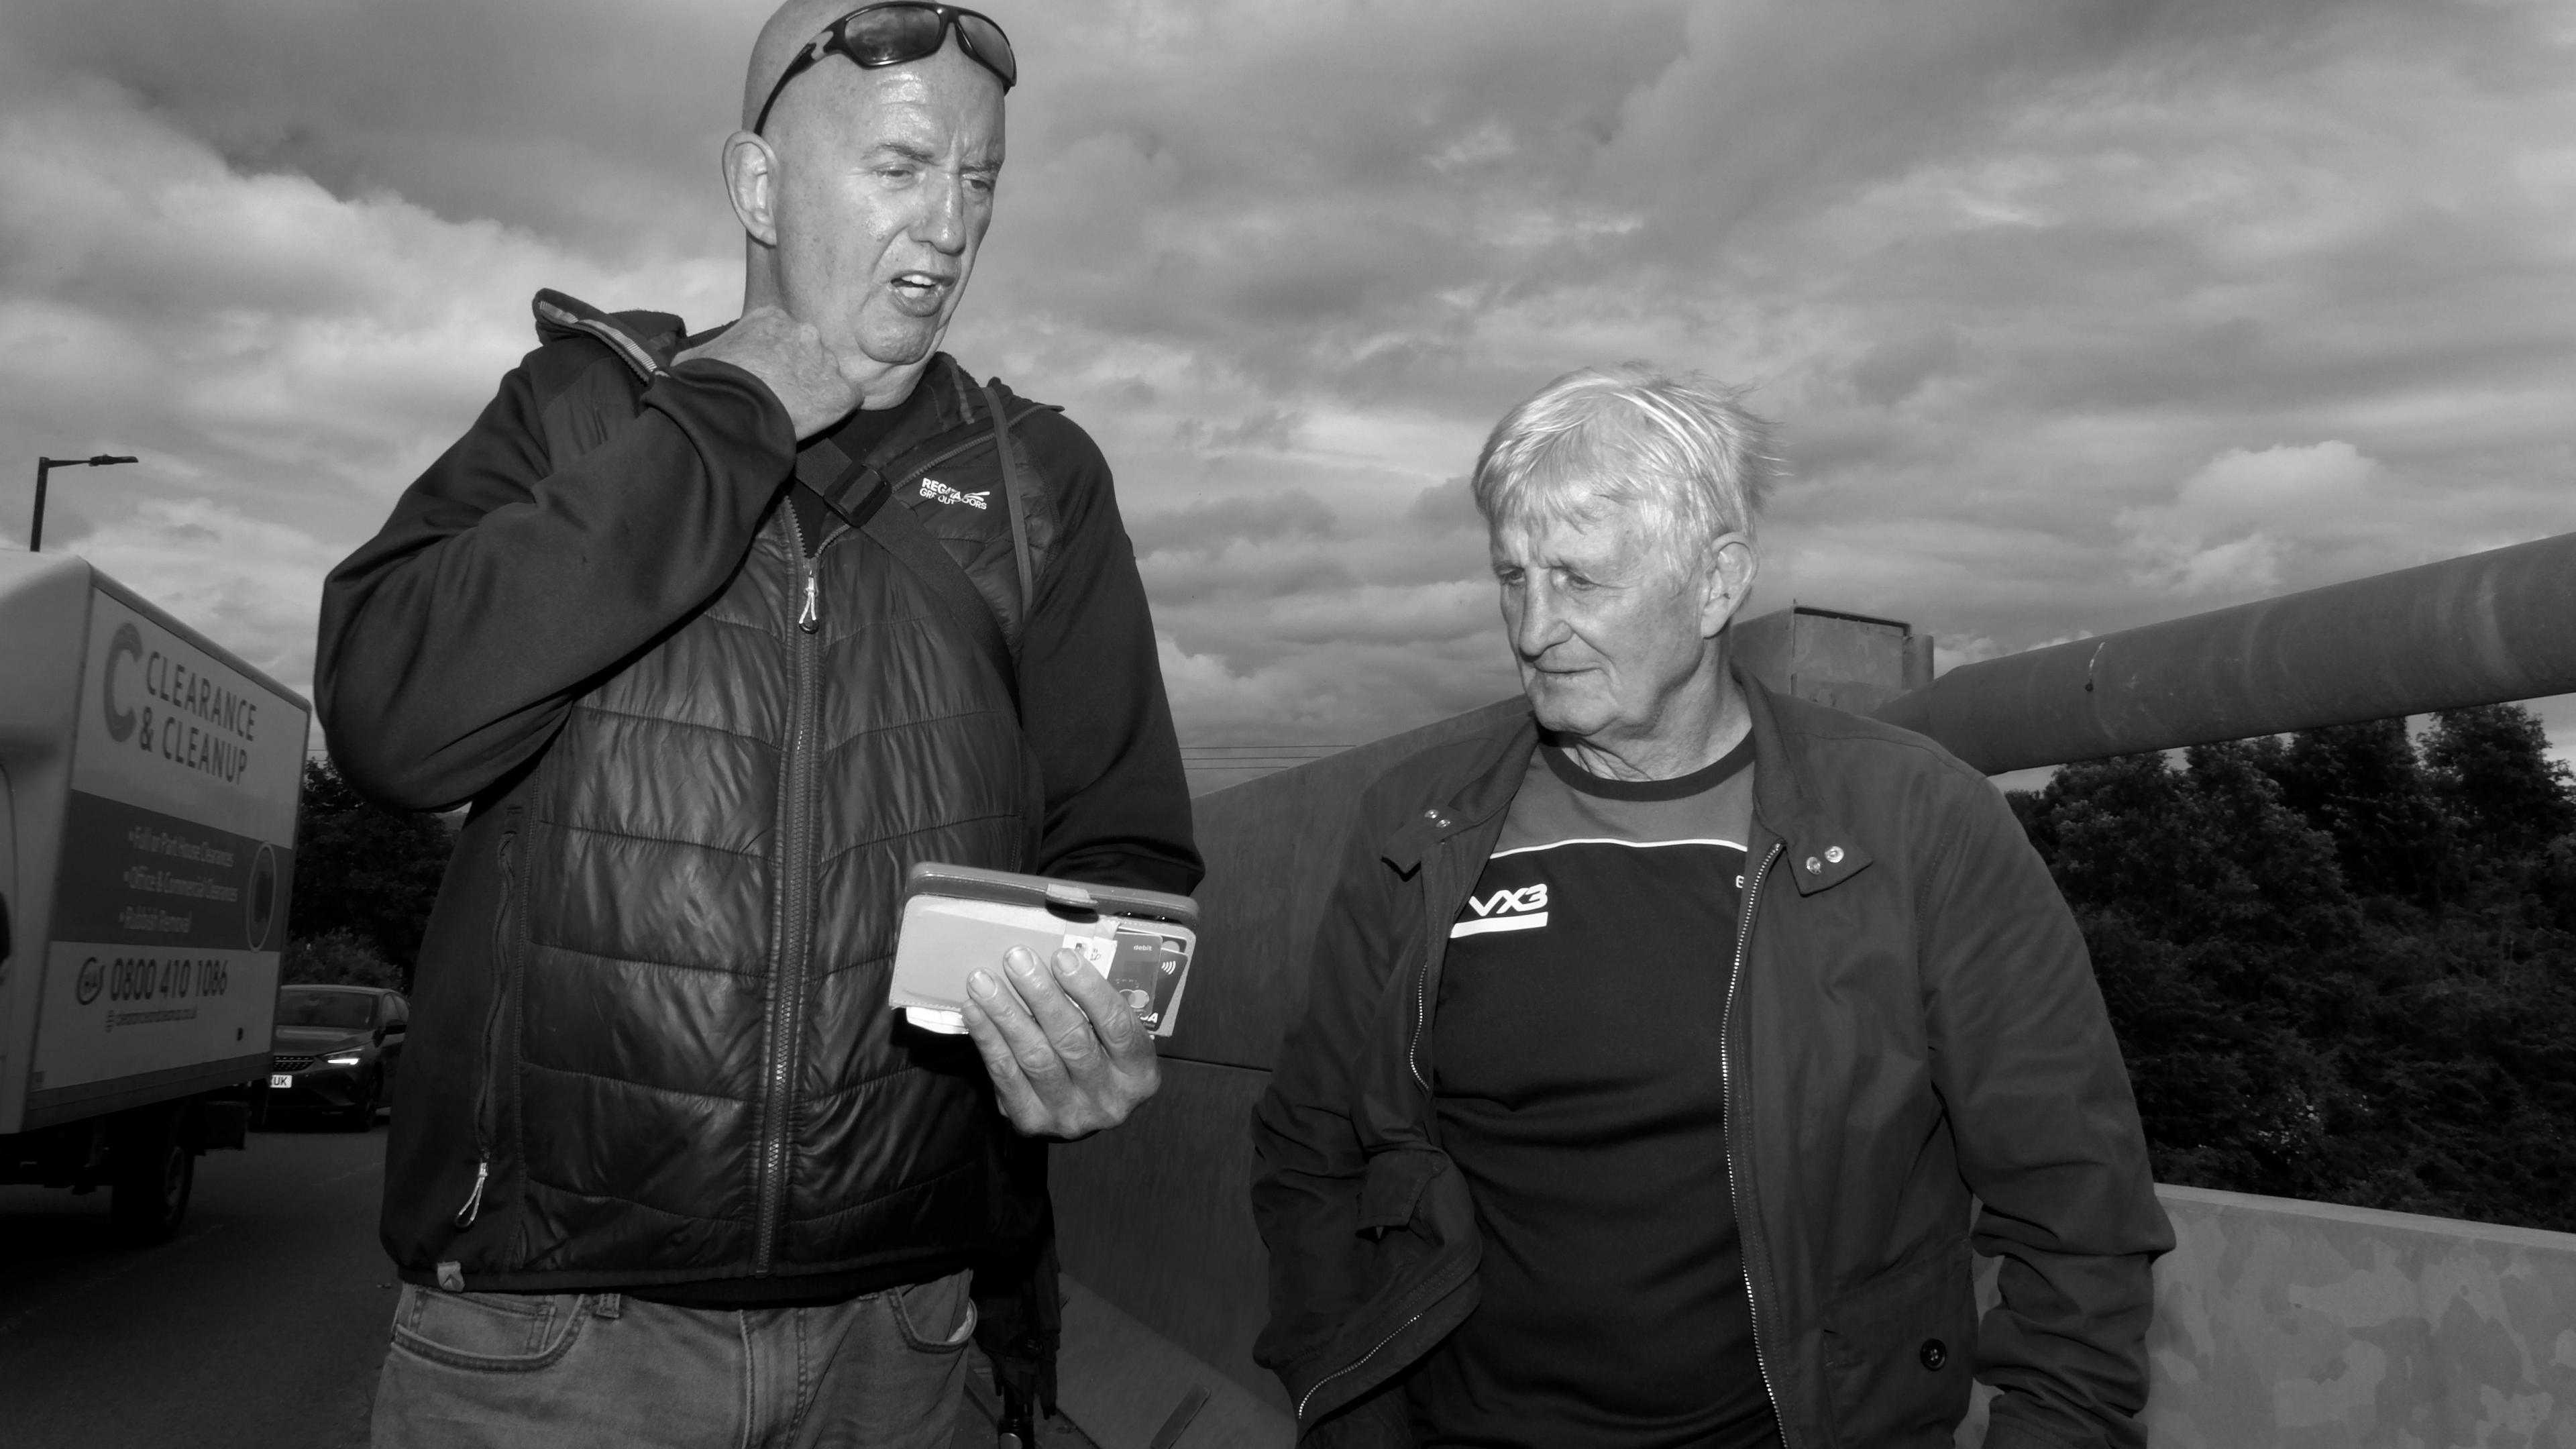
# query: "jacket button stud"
[[1814, 865], [1935, 1353], [1834, 853]]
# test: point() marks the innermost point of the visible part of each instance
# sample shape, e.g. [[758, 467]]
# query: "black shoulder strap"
[[1014, 493], [836, 479], [848, 492], [901, 534], [856, 489]]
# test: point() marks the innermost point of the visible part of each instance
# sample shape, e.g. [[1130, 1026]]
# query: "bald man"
[[717, 635]]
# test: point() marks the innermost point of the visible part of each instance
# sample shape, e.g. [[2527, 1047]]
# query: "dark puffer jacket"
[[650, 1042]]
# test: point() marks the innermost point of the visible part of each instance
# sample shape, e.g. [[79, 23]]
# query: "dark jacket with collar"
[[650, 1043], [1913, 1036]]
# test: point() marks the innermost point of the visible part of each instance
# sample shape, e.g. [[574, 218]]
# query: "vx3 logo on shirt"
[[1505, 910], [938, 492]]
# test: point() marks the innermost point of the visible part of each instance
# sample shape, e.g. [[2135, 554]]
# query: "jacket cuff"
[[731, 415]]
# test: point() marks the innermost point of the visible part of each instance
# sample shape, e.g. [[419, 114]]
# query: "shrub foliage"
[[337, 957], [365, 878], [2343, 965]]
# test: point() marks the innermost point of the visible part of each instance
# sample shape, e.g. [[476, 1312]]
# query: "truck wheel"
[[152, 1177]]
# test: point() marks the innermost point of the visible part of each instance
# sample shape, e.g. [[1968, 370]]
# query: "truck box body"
[[148, 787]]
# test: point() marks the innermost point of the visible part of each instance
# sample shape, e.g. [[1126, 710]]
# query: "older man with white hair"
[[1669, 1048]]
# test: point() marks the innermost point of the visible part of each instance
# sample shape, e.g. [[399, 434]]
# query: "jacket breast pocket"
[[1900, 1352]]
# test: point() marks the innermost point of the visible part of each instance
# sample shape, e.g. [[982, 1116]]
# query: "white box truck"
[[148, 787]]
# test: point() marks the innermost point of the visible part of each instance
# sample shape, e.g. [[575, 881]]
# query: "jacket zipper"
[[473, 1208], [502, 934], [794, 937], [1435, 945], [1421, 1017], [1734, 1179], [1318, 1385]]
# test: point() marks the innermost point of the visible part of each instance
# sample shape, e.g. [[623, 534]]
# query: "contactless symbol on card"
[[1143, 968]]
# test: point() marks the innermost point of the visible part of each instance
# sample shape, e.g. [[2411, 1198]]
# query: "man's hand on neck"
[[816, 385]]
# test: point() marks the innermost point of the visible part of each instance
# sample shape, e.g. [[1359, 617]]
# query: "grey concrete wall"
[[2313, 1326], [2297, 1324]]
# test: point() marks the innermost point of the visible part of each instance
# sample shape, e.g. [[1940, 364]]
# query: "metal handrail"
[[2482, 629]]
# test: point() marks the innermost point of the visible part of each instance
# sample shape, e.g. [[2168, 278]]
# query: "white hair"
[[1676, 447]]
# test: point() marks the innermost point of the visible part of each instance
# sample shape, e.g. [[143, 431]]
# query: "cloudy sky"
[[2073, 315]]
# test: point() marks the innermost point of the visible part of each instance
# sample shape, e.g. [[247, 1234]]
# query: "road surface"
[[259, 1326]]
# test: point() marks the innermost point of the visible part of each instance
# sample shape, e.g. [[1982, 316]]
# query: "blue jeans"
[[520, 1371]]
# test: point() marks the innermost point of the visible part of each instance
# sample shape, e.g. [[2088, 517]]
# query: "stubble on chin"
[[1558, 707], [900, 346]]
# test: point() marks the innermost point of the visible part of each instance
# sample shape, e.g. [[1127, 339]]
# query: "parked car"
[[336, 1050]]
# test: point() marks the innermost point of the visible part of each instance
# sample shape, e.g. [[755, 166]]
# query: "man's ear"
[[751, 183], [1727, 583]]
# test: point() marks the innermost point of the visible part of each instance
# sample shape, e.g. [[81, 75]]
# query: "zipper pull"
[[473, 1208], [812, 618]]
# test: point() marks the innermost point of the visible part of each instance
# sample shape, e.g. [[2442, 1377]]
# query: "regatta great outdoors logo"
[[938, 492], [1505, 910]]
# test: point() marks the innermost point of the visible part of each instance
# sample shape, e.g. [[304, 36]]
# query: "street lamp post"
[[36, 530]]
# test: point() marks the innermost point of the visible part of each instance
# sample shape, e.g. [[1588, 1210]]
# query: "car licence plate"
[[281, 1079]]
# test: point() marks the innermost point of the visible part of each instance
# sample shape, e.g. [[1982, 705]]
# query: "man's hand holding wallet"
[[1063, 987]]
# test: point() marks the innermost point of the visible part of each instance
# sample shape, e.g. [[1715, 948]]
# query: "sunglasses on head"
[[899, 32]]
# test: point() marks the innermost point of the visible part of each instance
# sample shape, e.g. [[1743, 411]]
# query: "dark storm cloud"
[[596, 121], [2073, 313]]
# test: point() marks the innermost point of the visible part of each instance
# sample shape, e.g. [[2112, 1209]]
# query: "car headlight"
[[344, 1059]]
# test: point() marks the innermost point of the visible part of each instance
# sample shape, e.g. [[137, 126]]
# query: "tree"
[[2361, 784], [2492, 772], [363, 871], [337, 958], [2195, 888], [2293, 1021]]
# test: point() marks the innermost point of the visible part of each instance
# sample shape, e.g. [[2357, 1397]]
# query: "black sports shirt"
[[1576, 1066]]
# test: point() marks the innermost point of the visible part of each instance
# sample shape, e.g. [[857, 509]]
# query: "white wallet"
[[959, 919]]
